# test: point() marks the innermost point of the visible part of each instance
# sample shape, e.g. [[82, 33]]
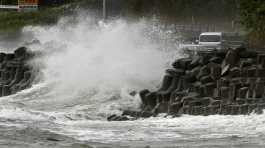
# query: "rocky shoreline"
[[228, 82], [16, 73]]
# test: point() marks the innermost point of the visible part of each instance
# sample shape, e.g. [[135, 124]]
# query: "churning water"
[[88, 70]]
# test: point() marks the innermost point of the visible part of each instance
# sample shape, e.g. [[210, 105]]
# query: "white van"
[[214, 41], [219, 40]]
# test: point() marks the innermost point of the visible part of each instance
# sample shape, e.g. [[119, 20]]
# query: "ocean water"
[[88, 70]]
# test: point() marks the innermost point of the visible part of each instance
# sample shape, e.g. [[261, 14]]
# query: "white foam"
[[161, 129], [93, 62]]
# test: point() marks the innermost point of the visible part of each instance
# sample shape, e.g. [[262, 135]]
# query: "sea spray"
[[94, 65]]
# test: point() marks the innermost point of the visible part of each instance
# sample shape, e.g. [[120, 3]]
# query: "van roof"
[[212, 33]]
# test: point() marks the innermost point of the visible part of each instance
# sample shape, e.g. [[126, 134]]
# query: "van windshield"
[[210, 38]]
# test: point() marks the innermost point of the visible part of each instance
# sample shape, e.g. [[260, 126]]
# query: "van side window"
[[210, 38]]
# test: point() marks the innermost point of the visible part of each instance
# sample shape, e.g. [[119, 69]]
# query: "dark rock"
[[150, 99], [20, 52], [231, 58], [216, 72], [204, 71], [190, 78], [9, 57], [205, 59], [175, 72], [206, 79], [186, 110], [216, 103], [247, 54], [223, 82], [174, 108], [185, 62], [216, 60], [195, 62], [259, 89], [190, 97], [225, 70], [146, 114], [200, 102], [167, 80], [117, 118], [229, 83], [252, 108], [18, 77], [174, 85], [143, 94], [122, 118], [2, 57], [258, 110], [206, 111], [183, 83], [243, 109], [235, 109], [221, 54], [5, 75], [246, 63], [182, 63], [228, 110], [7, 78], [235, 72], [198, 110], [164, 96], [197, 87], [240, 101], [209, 89], [136, 114], [261, 60], [24, 83], [195, 71], [260, 72], [261, 107], [132, 93], [162, 107], [234, 87], [252, 83], [6, 90], [15, 72], [224, 93], [213, 110], [244, 72], [252, 72], [192, 111], [251, 101], [176, 96], [186, 100], [53, 139]]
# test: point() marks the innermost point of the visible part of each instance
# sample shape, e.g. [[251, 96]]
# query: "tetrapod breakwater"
[[16, 73], [229, 82]]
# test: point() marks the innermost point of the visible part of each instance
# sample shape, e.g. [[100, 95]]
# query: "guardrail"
[[20, 7], [9, 7], [196, 28]]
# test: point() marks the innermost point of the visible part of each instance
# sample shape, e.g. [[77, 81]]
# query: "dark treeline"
[[44, 3], [249, 13], [8, 2], [170, 10], [183, 9], [165, 9], [252, 14]]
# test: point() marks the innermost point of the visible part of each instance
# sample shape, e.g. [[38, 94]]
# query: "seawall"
[[16, 74], [228, 82]]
